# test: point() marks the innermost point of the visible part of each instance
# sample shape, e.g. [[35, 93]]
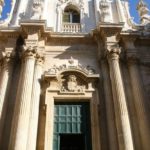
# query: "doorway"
[[72, 126], [72, 142]]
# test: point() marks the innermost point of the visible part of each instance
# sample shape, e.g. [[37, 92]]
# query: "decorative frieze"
[[71, 65]]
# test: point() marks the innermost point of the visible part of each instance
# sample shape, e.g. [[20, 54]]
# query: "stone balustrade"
[[71, 27]]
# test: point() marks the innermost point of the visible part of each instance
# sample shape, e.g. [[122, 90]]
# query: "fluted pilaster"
[[144, 125], [121, 111], [5, 77], [35, 101], [19, 132], [112, 134]]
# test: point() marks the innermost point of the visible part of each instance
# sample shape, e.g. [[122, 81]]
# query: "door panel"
[[72, 120]]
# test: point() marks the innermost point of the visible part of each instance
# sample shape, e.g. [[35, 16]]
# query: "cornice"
[[110, 28]]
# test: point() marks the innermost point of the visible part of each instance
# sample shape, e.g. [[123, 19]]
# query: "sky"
[[133, 11]]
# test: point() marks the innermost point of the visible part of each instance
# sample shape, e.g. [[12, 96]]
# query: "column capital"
[[29, 52], [40, 58], [113, 52], [6, 57], [132, 58]]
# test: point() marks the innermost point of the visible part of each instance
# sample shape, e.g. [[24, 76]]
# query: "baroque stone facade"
[[62, 54]]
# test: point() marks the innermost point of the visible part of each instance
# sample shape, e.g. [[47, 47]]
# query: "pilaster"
[[110, 34], [138, 93]]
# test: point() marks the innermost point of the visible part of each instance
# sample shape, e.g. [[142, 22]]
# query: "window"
[[71, 16]]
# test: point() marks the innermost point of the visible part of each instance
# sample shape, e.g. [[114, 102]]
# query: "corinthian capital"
[[29, 51], [112, 52], [40, 58], [132, 58], [6, 56]]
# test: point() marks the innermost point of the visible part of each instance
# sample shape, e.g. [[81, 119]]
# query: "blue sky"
[[133, 11]]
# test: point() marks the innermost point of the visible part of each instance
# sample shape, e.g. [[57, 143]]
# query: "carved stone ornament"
[[78, 3], [105, 10], [71, 78], [72, 85], [1, 6], [143, 12], [37, 9], [71, 65], [6, 56]]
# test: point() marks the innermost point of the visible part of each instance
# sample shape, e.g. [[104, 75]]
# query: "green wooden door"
[[73, 119]]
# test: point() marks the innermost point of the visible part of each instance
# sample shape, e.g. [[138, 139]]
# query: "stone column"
[[5, 77], [144, 125], [20, 124], [121, 111], [112, 133], [35, 101]]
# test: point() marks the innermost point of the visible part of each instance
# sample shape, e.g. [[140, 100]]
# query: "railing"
[[71, 27]]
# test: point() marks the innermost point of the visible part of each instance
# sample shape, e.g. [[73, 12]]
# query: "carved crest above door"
[[71, 78]]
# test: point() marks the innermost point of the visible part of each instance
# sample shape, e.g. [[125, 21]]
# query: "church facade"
[[74, 75]]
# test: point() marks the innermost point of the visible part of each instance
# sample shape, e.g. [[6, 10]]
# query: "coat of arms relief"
[[72, 84]]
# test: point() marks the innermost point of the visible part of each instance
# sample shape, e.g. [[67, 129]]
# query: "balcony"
[[71, 27]]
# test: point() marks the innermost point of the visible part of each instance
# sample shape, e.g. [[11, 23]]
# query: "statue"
[[143, 12], [37, 9], [1, 6], [105, 11]]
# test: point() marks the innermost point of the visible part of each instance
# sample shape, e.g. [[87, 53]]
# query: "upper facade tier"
[[70, 15]]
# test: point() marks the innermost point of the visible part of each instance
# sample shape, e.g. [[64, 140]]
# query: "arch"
[[71, 14]]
